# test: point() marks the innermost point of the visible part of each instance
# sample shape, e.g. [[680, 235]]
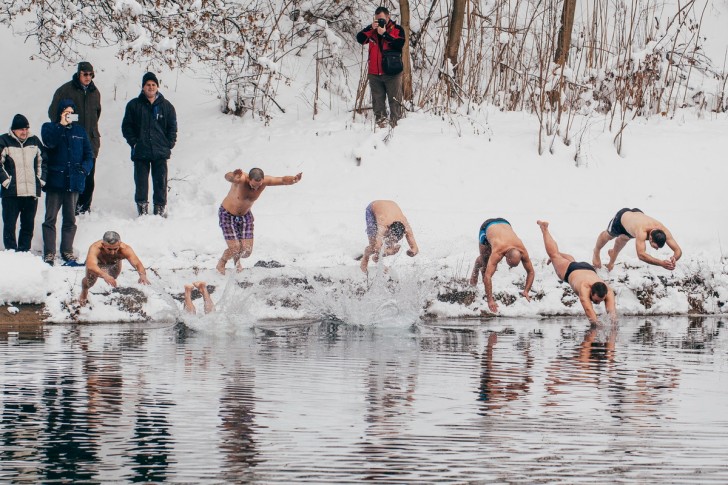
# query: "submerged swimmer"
[[202, 287]]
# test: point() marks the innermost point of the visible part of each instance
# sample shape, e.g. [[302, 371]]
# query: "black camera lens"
[[381, 22]]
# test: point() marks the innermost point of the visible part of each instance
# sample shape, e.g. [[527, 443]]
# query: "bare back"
[[502, 239], [101, 257], [639, 224], [387, 212]]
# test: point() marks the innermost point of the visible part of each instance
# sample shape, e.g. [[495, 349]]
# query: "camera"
[[72, 117], [381, 22]]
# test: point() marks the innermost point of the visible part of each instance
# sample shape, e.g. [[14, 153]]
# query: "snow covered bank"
[[448, 175]]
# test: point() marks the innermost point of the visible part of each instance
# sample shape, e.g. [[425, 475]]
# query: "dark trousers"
[[85, 198], [159, 181], [386, 88], [66, 203], [25, 208]]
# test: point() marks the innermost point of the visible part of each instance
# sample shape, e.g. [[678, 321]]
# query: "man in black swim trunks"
[[633, 223], [582, 277]]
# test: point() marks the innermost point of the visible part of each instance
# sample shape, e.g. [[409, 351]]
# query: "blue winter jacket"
[[70, 155]]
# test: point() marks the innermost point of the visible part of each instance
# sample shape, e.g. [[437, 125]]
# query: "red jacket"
[[393, 39]]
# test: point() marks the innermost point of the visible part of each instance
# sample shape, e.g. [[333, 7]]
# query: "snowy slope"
[[448, 175]]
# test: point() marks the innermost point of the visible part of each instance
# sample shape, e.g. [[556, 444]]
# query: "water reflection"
[[504, 401]]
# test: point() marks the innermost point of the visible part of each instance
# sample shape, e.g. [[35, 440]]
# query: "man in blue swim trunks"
[[496, 241], [633, 223], [236, 219], [582, 277], [386, 225]]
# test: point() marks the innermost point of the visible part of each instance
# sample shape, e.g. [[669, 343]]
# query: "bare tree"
[[564, 38]]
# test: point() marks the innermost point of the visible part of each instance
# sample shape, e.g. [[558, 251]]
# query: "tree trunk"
[[564, 39], [407, 74], [455, 32]]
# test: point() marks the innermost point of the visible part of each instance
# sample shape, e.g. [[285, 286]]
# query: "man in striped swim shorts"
[[236, 219]]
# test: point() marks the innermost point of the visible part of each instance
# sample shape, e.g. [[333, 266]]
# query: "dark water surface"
[[508, 401]]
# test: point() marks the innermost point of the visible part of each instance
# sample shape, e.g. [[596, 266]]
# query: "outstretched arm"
[[287, 180], [131, 256]]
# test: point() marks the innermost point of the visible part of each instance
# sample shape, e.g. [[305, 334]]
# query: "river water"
[[518, 401]]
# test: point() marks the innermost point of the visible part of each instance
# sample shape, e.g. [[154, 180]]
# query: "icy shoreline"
[[406, 293]]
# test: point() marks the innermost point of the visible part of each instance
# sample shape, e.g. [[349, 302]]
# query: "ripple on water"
[[510, 401]]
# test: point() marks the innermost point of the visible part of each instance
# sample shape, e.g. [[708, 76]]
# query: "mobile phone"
[[72, 117]]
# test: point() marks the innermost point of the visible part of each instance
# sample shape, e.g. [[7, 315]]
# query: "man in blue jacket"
[[70, 158], [150, 129]]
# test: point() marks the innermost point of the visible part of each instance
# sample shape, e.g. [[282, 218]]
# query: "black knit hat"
[[85, 67], [19, 122], [150, 76]]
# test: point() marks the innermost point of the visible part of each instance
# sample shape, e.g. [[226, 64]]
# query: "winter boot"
[[143, 208], [160, 210]]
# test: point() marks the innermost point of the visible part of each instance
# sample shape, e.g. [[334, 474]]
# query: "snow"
[[447, 173]]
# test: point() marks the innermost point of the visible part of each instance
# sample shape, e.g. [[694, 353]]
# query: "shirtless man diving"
[[104, 261], [582, 277], [497, 240], [386, 224], [236, 219], [632, 223]]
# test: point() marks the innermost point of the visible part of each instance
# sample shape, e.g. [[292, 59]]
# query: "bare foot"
[[239, 267], [474, 279], [189, 307], [597, 259], [612, 260], [83, 299], [544, 225], [220, 267]]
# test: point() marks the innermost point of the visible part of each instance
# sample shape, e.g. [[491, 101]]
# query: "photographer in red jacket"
[[385, 40]]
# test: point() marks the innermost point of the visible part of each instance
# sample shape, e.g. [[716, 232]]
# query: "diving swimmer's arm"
[[672, 244], [530, 275], [131, 256], [611, 305], [641, 247], [587, 304], [410, 236], [488, 282]]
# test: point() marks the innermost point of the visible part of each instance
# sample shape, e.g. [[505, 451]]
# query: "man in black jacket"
[[150, 129], [82, 90]]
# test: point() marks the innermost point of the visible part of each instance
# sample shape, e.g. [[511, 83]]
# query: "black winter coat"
[[150, 129]]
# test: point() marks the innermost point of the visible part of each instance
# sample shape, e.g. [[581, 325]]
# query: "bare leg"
[[603, 239], [476, 270], [202, 287], [189, 306], [86, 285], [234, 248], [560, 260], [246, 249], [480, 263], [614, 252]]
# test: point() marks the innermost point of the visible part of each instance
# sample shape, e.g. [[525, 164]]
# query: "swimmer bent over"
[[498, 240], [582, 277]]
